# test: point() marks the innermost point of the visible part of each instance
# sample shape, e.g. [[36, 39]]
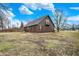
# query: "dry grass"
[[23, 43]]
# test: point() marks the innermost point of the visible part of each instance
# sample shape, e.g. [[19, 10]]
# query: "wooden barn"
[[43, 24]]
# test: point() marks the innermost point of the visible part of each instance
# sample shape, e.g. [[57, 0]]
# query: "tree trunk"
[[2, 24], [58, 29]]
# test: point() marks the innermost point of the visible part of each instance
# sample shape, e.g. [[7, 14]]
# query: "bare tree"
[[2, 15], [22, 26], [60, 19], [73, 27], [1, 22]]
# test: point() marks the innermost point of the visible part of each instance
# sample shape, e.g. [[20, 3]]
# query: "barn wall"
[[43, 28], [46, 28], [32, 28]]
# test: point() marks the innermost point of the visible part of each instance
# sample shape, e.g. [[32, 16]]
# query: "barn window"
[[40, 27], [47, 22]]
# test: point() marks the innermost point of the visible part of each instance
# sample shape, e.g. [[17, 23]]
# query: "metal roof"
[[35, 22]]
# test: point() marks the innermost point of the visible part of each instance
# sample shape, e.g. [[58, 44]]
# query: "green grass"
[[5, 46], [52, 45], [74, 35]]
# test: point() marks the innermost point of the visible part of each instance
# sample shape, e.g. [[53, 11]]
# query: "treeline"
[[5, 22], [71, 27]]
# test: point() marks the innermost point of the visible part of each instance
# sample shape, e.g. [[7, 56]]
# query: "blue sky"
[[26, 17], [29, 11], [69, 8]]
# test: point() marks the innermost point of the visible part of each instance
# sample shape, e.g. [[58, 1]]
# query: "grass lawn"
[[74, 35], [24, 43]]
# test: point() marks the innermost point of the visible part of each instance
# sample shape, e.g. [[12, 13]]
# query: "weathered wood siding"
[[45, 28], [41, 27]]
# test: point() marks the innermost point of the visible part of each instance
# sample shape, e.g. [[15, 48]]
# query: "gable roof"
[[35, 22]]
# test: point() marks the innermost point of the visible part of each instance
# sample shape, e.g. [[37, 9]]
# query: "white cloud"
[[10, 9], [33, 6], [75, 8], [10, 14], [74, 18], [23, 9], [39, 6], [48, 6], [69, 22]]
